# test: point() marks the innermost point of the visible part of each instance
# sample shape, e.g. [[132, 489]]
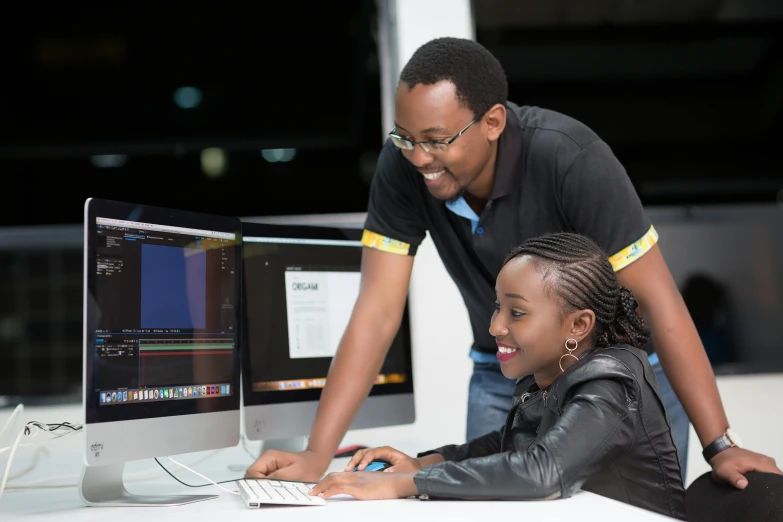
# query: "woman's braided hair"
[[578, 272]]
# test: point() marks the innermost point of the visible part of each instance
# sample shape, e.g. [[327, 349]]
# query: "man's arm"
[[598, 199], [374, 323], [685, 362], [677, 342]]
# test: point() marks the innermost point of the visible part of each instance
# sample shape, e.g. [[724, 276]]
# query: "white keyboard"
[[257, 492]]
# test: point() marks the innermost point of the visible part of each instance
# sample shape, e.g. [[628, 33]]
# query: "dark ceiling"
[[689, 94]]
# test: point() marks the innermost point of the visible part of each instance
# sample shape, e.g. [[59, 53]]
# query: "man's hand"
[[729, 466], [400, 462], [367, 485], [305, 466]]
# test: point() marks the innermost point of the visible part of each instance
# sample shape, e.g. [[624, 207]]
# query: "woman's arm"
[[479, 447], [595, 428]]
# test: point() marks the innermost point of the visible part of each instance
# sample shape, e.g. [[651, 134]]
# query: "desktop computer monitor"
[[161, 341], [300, 286]]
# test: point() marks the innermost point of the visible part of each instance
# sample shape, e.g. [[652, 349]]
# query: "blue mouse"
[[375, 465]]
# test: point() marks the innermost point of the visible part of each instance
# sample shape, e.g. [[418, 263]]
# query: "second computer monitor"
[[300, 286]]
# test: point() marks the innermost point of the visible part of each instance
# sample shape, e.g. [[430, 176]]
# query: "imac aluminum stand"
[[102, 486], [292, 444]]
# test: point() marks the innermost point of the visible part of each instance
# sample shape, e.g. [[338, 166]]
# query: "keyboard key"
[[272, 492], [302, 495], [287, 495], [244, 486], [257, 492]]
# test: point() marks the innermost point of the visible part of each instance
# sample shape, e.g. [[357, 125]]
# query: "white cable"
[[38, 451], [42, 483], [36, 427], [202, 476], [246, 448], [17, 411], [26, 444], [34, 483], [10, 459], [9, 424], [129, 477], [150, 473]]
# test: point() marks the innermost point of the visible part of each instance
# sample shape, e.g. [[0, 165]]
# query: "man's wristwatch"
[[724, 442]]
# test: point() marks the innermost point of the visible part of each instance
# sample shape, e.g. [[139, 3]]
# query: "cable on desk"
[[59, 430], [26, 431], [30, 429], [244, 440], [44, 483], [147, 474], [36, 457], [7, 470], [211, 482], [17, 411], [52, 427]]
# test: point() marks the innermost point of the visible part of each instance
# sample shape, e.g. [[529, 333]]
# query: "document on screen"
[[318, 306]]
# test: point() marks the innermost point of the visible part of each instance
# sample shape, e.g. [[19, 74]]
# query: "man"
[[482, 175]]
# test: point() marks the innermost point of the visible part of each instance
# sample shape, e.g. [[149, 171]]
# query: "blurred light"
[[278, 155], [214, 162], [187, 97], [11, 328], [136, 213], [105, 161]]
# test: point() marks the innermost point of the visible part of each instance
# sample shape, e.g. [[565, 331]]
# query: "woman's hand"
[[400, 462], [367, 485]]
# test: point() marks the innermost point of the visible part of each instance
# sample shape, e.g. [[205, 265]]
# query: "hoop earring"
[[569, 354]]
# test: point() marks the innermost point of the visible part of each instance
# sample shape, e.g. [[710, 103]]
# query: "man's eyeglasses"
[[430, 147]]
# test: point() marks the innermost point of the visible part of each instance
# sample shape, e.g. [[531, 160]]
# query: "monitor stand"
[[292, 444], [102, 486]]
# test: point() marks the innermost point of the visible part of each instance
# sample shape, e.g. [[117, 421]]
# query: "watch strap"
[[720, 444]]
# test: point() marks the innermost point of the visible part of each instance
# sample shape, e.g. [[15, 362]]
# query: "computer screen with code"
[[167, 328]]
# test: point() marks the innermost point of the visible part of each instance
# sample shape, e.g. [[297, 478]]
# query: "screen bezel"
[[95, 208], [256, 398]]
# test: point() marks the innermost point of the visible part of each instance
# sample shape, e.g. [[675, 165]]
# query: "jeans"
[[680, 424], [489, 401]]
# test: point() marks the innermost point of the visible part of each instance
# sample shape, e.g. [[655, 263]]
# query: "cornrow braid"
[[578, 272]]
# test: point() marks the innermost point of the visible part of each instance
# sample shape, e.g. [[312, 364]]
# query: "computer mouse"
[[375, 465]]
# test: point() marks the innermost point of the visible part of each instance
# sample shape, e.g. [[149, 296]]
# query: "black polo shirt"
[[553, 174]]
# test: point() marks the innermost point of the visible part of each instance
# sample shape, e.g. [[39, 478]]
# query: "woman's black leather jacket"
[[601, 427]]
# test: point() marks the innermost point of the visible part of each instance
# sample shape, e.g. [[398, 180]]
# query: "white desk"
[[64, 504]]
